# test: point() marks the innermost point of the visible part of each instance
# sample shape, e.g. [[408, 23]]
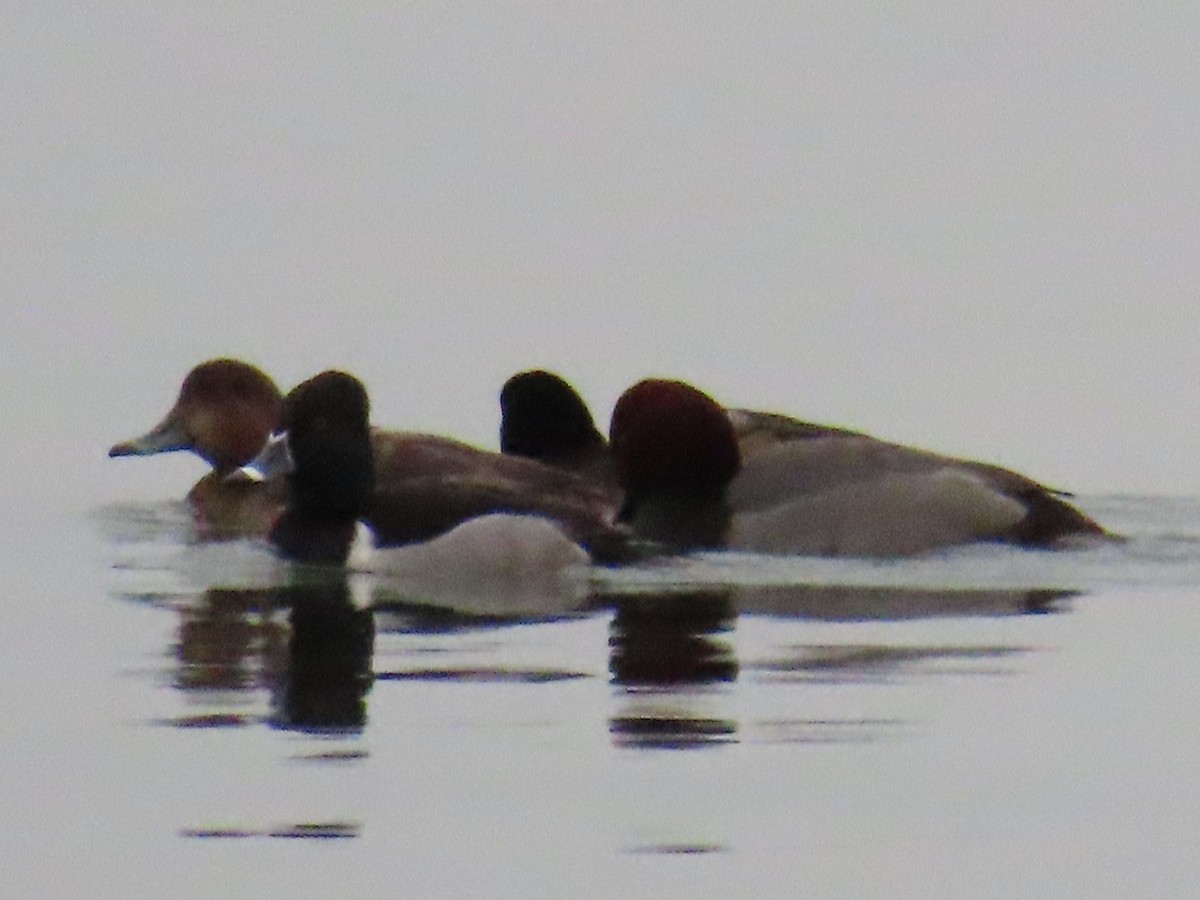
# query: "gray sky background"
[[973, 229]]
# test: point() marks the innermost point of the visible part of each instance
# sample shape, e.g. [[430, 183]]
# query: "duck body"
[[823, 492], [759, 431], [417, 509], [498, 566], [494, 564]]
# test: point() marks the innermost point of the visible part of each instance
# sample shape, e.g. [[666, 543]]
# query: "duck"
[[323, 449], [224, 411], [543, 417], [677, 457], [227, 408]]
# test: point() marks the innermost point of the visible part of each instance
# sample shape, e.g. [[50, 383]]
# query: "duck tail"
[[1049, 519]]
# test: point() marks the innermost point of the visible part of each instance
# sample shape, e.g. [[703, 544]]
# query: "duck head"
[[323, 447], [544, 418], [675, 453], [224, 412]]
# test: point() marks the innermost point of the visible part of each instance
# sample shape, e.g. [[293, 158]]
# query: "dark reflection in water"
[[678, 849], [880, 662], [677, 638], [329, 661], [228, 641], [847, 730], [843, 603], [301, 830], [810, 667], [669, 654], [669, 728], [412, 619], [411, 616], [672, 660], [308, 645], [840, 663]]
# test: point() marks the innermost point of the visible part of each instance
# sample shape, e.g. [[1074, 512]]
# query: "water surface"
[[190, 720]]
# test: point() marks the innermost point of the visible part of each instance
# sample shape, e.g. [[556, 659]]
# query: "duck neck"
[[682, 519], [301, 535], [328, 494]]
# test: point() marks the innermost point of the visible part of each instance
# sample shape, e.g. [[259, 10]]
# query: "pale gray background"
[[969, 228]]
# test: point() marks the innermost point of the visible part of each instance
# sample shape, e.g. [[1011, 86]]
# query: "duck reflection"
[[226, 641], [893, 658], [672, 660], [307, 645], [671, 639], [850, 603], [670, 657], [329, 661]]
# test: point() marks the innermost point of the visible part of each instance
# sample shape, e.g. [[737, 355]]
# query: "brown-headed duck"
[[224, 411], [324, 449], [835, 494]]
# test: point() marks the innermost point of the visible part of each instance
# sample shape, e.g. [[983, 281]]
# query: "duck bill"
[[274, 461], [167, 436]]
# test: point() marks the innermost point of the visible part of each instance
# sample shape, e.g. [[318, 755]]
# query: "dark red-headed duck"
[[835, 494], [324, 448]]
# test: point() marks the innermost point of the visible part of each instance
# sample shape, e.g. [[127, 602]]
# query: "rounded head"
[[329, 401], [667, 435], [225, 411], [327, 421], [542, 417]]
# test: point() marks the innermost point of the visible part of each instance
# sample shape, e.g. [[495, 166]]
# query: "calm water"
[[190, 721]]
